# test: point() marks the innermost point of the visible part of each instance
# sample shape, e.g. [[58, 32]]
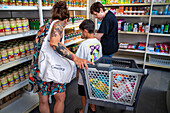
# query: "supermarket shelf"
[[135, 33], [20, 35], [136, 16], [2, 7], [73, 25], [161, 16], [154, 65], [137, 59], [22, 105], [13, 89], [158, 34], [161, 3], [133, 51], [160, 54], [15, 62], [73, 42], [141, 4], [70, 8]]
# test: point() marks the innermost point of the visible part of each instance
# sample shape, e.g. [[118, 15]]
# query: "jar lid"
[[11, 19], [17, 18], [23, 18], [5, 19]]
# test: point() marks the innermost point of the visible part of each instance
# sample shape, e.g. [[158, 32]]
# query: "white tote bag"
[[53, 66]]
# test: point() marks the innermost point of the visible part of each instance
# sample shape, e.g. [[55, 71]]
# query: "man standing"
[[108, 31]]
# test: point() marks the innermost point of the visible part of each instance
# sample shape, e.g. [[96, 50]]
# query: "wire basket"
[[159, 60]]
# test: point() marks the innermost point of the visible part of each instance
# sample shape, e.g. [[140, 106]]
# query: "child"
[[91, 50]]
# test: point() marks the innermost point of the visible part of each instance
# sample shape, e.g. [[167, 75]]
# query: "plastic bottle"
[[99, 85], [166, 29], [162, 29]]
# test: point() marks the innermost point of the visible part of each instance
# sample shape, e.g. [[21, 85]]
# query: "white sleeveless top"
[[53, 66]]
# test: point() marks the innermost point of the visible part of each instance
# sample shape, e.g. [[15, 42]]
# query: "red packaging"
[[162, 48], [166, 48]]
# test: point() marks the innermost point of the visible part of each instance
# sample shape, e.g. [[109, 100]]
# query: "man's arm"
[[98, 35], [55, 43]]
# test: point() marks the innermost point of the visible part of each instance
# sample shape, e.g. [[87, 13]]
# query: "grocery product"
[[4, 82], [1, 29], [13, 26], [22, 49], [4, 55], [10, 79], [16, 76], [10, 53], [19, 25], [26, 71], [6, 25], [16, 51], [21, 74]]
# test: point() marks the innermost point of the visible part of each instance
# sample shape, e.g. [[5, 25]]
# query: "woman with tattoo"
[[60, 15]]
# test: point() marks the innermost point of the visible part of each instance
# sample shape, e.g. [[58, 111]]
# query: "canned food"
[[1, 29], [13, 26], [27, 49], [12, 2], [4, 82], [4, 55], [10, 79], [26, 72], [31, 44], [18, 2], [16, 51], [19, 25], [21, 74], [24, 2], [24, 25], [16, 76], [6, 25], [10, 53], [22, 50]]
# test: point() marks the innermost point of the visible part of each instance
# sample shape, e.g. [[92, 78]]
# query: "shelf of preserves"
[[158, 34], [161, 3], [3, 7], [161, 16], [135, 33], [140, 4], [137, 59], [157, 53], [154, 65], [134, 16], [20, 35], [15, 62], [133, 51], [14, 88], [30, 102], [69, 8], [74, 42]]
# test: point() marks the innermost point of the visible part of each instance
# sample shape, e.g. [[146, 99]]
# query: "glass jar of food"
[[16, 51], [0, 57], [11, 2], [18, 2], [22, 50], [6, 25], [24, 25], [26, 71], [18, 92], [21, 74], [19, 25], [10, 78], [10, 51], [12, 95], [0, 87], [13, 26], [27, 49], [30, 2], [4, 2], [6, 99], [1, 29], [31, 44], [4, 82], [4, 55], [16, 76], [24, 2]]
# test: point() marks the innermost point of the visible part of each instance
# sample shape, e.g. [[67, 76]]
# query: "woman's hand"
[[81, 63]]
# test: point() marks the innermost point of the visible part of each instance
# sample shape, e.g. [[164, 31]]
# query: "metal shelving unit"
[[160, 16], [20, 35], [132, 33], [158, 34], [16, 8], [133, 51], [69, 8], [74, 42], [134, 16], [159, 4], [158, 53], [140, 4], [15, 63]]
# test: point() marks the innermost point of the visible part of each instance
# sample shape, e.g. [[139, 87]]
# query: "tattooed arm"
[[56, 35]]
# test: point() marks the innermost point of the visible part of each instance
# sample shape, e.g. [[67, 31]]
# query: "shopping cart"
[[113, 82]]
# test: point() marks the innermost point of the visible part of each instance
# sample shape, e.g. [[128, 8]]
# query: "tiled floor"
[[152, 98]]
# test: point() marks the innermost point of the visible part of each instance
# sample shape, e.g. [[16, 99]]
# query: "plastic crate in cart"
[[113, 80], [159, 60]]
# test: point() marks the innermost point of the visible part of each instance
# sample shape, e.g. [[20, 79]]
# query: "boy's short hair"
[[95, 7], [88, 25]]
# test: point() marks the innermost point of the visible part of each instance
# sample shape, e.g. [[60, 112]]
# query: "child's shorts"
[[81, 90]]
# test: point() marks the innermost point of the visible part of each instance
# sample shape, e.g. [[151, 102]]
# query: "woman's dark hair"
[[60, 11], [95, 7], [88, 25]]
